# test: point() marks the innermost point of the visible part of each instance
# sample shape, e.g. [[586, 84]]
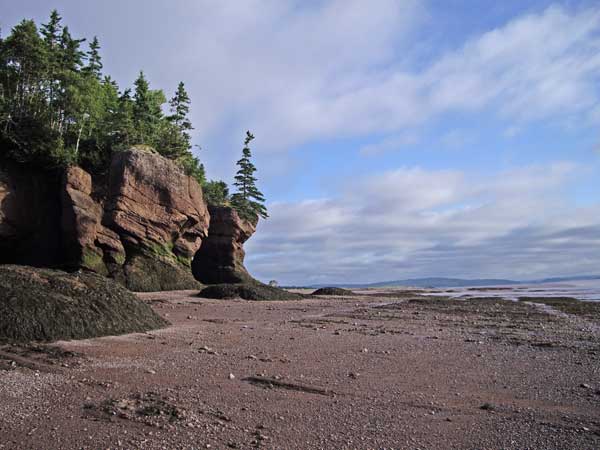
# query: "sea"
[[588, 290]]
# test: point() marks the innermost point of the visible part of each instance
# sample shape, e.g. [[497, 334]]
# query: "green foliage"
[[216, 193], [57, 108], [248, 201], [192, 167]]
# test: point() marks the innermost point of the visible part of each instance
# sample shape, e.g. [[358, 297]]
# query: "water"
[[588, 290]]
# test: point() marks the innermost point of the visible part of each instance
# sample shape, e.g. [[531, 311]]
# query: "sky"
[[394, 138]]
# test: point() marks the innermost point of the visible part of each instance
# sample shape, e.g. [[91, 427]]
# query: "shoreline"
[[385, 369]]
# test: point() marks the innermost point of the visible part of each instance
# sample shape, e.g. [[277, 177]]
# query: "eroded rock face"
[[141, 227], [87, 243], [161, 218], [221, 256], [29, 216]]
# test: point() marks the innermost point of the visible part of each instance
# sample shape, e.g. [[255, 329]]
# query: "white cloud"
[[390, 143], [294, 72], [413, 222]]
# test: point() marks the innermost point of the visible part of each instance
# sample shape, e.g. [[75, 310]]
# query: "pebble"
[[231, 376], [151, 372]]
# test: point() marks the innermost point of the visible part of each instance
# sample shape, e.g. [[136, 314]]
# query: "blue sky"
[[394, 139]]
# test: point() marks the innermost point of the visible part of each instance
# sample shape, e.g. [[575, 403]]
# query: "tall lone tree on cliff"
[[248, 201]]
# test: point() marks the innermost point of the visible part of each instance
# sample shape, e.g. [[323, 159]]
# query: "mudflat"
[[385, 369]]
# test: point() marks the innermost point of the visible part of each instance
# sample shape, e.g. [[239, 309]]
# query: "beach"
[[383, 369]]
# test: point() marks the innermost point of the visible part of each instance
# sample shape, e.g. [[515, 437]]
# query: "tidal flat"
[[386, 368]]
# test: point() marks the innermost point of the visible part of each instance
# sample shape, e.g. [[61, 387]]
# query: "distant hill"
[[439, 282]]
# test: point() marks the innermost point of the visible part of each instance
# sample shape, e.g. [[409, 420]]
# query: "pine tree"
[[177, 138], [248, 201], [51, 30], [57, 109], [124, 135], [94, 64]]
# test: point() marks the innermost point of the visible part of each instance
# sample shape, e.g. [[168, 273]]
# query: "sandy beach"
[[386, 369]]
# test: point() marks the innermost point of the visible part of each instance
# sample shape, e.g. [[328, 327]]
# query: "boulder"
[[220, 259], [333, 291], [248, 291], [48, 305]]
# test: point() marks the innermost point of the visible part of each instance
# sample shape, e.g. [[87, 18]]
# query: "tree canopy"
[[58, 108]]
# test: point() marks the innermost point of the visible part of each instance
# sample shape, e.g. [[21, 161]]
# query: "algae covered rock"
[[333, 291], [247, 291], [48, 305]]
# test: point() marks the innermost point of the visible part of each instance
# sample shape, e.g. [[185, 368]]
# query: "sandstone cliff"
[[29, 216], [161, 218], [142, 225], [146, 224], [221, 256]]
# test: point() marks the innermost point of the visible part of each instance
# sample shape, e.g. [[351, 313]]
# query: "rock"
[[488, 407], [250, 291], [231, 376], [585, 386], [47, 305], [142, 225], [29, 215], [85, 239], [333, 291], [161, 217], [220, 259]]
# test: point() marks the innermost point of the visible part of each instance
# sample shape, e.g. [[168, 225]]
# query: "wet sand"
[[385, 369]]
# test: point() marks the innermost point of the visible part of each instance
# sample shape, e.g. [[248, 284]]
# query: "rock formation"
[[142, 226], [29, 216], [87, 243], [221, 256], [46, 305], [161, 217]]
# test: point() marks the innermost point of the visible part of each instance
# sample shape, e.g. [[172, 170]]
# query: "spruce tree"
[[94, 64], [178, 138], [248, 200], [147, 113]]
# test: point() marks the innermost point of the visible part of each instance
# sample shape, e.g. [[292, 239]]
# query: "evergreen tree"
[[216, 193], [180, 140], [94, 61], [248, 200], [52, 30], [147, 112], [56, 109], [125, 128]]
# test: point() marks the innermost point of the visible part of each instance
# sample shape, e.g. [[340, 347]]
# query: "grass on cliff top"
[[247, 291]]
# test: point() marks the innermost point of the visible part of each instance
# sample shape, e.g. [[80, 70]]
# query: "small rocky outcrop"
[[220, 259], [248, 291], [48, 305], [333, 291]]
